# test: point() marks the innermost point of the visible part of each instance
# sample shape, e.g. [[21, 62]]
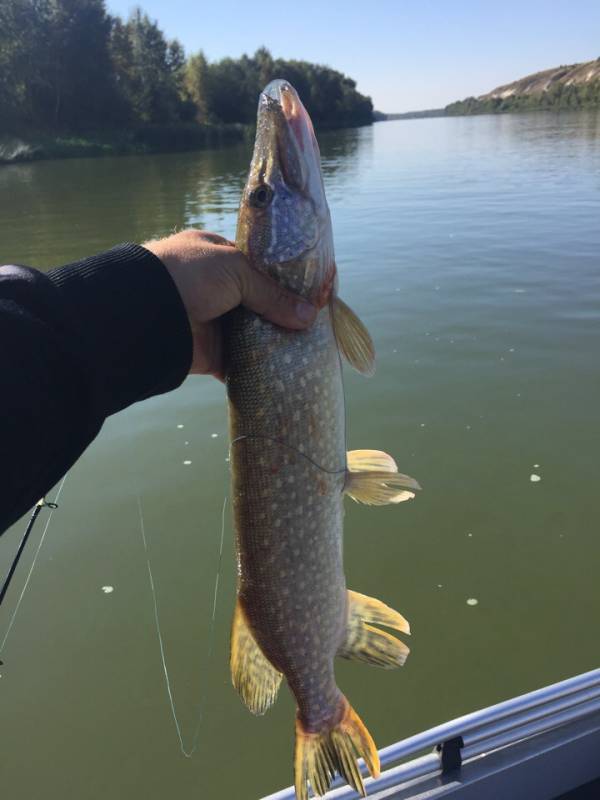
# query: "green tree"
[[19, 36], [227, 91], [331, 98], [82, 84], [67, 65], [265, 66], [196, 86], [123, 68], [154, 73], [55, 63]]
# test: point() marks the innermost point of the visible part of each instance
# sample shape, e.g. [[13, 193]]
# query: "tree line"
[[69, 66]]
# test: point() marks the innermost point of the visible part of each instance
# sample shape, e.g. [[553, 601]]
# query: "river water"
[[471, 249]]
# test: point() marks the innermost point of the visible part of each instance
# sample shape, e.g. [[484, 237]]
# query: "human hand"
[[213, 277]]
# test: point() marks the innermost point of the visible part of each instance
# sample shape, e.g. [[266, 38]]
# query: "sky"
[[406, 54]]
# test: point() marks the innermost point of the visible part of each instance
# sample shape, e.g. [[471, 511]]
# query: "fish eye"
[[261, 196]]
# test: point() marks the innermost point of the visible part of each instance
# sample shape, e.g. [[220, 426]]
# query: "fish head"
[[284, 224]]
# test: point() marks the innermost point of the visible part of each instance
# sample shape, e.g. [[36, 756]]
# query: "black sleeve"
[[76, 344]]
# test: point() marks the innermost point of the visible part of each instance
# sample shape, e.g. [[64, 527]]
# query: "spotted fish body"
[[289, 464], [289, 467]]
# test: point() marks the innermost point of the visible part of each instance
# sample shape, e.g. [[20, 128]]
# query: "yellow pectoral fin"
[[373, 479], [254, 677], [353, 338], [363, 642]]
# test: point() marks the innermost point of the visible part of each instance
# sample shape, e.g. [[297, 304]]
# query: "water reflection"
[[71, 208]]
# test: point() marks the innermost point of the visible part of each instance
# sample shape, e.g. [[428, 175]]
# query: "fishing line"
[[290, 447], [52, 506], [341, 364], [264, 437], [211, 634]]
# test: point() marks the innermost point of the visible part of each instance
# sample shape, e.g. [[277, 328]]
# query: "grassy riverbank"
[[28, 146]]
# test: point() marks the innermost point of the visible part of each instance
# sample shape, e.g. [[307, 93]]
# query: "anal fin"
[[364, 642], [373, 479], [252, 674]]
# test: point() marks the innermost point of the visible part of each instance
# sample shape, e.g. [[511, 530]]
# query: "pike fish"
[[290, 469]]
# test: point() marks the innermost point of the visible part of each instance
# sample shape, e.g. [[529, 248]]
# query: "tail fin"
[[320, 755]]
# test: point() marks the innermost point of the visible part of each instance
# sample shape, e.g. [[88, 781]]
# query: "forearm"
[[76, 345]]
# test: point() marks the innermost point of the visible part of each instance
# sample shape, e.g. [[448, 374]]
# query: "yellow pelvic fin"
[[373, 479], [364, 642], [353, 338], [320, 755], [254, 677]]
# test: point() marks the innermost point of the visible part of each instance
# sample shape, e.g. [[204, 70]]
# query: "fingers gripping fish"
[[290, 468]]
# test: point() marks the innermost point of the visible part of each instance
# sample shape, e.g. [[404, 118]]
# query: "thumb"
[[266, 297]]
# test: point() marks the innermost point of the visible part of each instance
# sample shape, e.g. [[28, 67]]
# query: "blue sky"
[[405, 55]]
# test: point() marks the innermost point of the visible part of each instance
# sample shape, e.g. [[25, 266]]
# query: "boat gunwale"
[[484, 730]]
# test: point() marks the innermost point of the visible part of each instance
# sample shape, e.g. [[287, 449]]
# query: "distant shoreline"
[[35, 146], [381, 116], [26, 147], [22, 148], [488, 112]]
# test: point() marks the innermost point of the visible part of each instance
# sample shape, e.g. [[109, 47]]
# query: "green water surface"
[[471, 249]]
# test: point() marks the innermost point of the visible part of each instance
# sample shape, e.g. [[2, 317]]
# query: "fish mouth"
[[282, 115], [296, 116], [286, 97]]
